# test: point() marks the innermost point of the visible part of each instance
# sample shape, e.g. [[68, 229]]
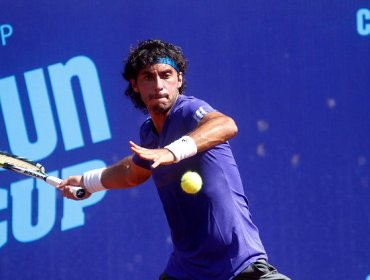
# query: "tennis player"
[[212, 232]]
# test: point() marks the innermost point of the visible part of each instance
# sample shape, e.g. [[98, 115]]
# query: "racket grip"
[[78, 192]]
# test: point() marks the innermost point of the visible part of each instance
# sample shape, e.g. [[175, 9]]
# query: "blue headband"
[[169, 61]]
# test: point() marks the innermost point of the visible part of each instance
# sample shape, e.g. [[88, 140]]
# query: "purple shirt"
[[212, 232]]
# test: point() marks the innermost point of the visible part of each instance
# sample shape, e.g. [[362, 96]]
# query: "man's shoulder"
[[184, 99], [188, 101]]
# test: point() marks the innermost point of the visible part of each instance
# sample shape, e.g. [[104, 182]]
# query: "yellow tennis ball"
[[191, 182]]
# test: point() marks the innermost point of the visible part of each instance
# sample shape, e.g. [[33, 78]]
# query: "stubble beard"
[[160, 109], [163, 108]]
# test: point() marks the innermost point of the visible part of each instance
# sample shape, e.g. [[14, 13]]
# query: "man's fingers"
[[137, 149], [66, 186], [158, 156], [135, 146]]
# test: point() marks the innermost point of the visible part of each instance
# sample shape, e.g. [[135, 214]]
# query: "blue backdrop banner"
[[295, 76]]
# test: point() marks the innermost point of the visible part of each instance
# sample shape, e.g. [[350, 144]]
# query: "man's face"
[[158, 86]]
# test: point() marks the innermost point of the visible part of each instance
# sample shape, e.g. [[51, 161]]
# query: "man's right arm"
[[123, 174]]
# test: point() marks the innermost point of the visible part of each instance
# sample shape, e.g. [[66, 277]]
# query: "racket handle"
[[78, 192]]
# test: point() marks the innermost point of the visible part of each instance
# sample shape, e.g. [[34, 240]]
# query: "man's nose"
[[158, 83]]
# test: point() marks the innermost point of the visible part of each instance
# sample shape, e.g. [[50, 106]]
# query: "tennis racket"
[[35, 170]]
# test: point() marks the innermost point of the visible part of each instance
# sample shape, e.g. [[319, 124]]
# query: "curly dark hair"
[[146, 53]]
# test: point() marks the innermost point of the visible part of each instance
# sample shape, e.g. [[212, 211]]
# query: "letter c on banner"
[[363, 22]]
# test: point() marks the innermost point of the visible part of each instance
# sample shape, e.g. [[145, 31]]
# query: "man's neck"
[[159, 118], [158, 121]]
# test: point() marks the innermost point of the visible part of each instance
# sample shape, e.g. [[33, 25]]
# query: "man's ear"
[[134, 85], [179, 77]]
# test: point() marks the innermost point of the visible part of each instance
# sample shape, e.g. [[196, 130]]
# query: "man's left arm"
[[214, 128]]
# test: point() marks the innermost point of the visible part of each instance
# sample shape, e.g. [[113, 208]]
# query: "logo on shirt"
[[199, 114]]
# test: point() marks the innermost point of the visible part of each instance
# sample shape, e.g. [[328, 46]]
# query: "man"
[[212, 232]]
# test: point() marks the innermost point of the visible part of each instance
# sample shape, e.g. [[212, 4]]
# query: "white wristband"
[[183, 148], [92, 180]]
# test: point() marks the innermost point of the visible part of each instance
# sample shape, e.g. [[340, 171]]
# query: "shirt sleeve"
[[195, 110]]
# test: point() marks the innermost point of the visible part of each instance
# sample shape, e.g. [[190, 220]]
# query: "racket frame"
[[38, 173]]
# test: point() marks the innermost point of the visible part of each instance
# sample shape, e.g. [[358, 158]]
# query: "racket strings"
[[23, 163]]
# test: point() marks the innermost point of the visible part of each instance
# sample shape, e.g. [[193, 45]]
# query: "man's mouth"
[[158, 96]]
